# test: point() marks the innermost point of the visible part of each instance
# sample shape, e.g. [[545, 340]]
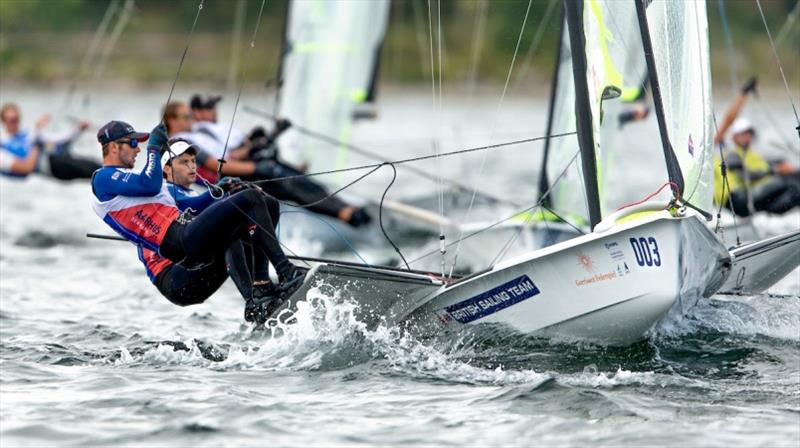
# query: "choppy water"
[[90, 354]]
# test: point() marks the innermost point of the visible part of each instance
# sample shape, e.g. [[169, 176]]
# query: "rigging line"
[[119, 27], [725, 184], [436, 110], [417, 159], [780, 65], [91, 51], [477, 44], [540, 202], [210, 186], [185, 50], [787, 26], [380, 158], [496, 119], [241, 87], [728, 45], [527, 61], [440, 185], [508, 218], [330, 226], [380, 216]]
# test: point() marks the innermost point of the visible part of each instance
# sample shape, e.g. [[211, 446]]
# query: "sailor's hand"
[[83, 125], [750, 86], [158, 138], [784, 169], [282, 124], [231, 184], [42, 122]]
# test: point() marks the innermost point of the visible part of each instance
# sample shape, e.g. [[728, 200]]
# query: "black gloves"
[[231, 184], [750, 86], [158, 138], [282, 124], [359, 218]]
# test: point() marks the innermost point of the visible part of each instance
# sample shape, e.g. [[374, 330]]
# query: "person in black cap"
[[49, 154], [140, 207]]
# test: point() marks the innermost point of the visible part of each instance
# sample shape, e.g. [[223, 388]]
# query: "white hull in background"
[[758, 266], [608, 288]]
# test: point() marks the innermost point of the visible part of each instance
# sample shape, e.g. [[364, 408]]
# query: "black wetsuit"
[[65, 166], [777, 195], [191, 286], [300, 190]]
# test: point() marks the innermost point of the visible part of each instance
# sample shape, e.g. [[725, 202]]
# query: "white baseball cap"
[[176, 148], [742, 124]]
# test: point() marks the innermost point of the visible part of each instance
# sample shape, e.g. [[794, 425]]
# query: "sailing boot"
[[266, 299], [292, 281]]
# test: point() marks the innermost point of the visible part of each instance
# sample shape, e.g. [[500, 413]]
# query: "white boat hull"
[[608, 288], [758, 266]]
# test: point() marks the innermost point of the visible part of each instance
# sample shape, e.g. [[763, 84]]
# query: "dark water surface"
[[90, 354]]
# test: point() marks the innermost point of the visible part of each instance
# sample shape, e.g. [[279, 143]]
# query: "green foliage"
[[45, 40]]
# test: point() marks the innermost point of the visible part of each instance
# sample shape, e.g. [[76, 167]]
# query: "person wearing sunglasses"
[[141, 208], [28, 151]]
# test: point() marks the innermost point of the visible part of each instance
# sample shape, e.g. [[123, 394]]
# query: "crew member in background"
[[53, 155], [141, 208], [753, 184], [300, 190]]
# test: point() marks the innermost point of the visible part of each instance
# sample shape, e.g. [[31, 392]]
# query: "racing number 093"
[[646, 251]]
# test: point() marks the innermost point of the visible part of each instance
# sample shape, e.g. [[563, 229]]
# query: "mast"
[[673, 167], [583, 112], [544, 181]]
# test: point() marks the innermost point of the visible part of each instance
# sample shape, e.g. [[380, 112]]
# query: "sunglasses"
[[132, 142]]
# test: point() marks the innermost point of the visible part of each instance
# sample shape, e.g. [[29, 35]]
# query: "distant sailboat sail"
[[328, 67]]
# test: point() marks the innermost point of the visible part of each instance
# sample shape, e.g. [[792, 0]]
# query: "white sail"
[[567, 196], [329, 61], [679, 31], [614, 59]]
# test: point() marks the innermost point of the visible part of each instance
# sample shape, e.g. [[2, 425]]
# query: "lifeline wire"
[[497, 116], [780, 66], [241, 86]]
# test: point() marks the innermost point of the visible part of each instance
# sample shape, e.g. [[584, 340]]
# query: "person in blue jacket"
[[34, 151], [141, 208]]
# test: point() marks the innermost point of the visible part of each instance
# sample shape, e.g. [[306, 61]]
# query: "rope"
[[728, 45], [185, 50], [542, 200], [535, 43], [780, 66], [380, 158], [510, 217], [91, 51], [419, 158], [239, 94], [380, 217], [496, 118], [652, 195], [330, 226]]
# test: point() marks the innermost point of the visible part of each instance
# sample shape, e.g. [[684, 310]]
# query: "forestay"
[[330, 56], [679, 31]]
